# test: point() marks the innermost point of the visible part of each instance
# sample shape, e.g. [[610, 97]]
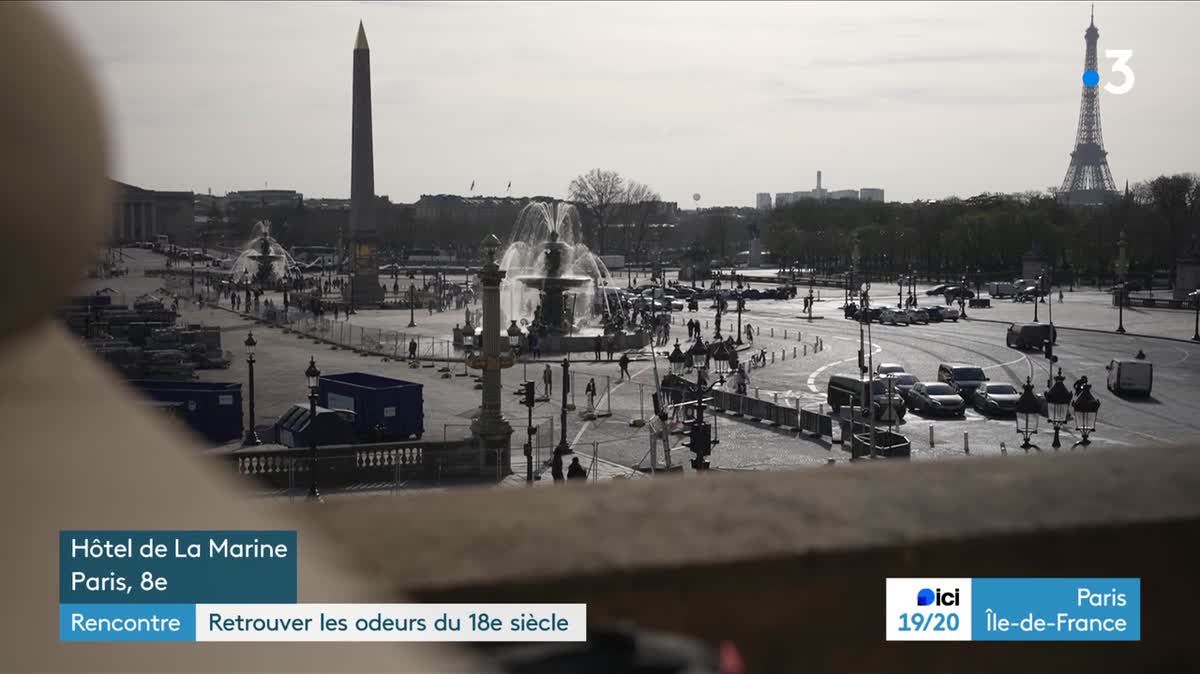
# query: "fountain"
[[554, 285], [249, 264], [552, 277]]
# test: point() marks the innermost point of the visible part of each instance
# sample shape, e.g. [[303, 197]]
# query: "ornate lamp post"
[[912, 286], [1195, 295], [677, 360], [412, 300], [1028, 413], [514, 337], [1121, 266], [1058, 401], [701, 439], [1036, 294], [251, 438], [313, 376], [811, 280], [720, 356], [741, 304], [1085, 405], [900, 291]]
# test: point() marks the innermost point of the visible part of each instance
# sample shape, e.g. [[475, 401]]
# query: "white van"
[[1001, 289], [1133, 377]]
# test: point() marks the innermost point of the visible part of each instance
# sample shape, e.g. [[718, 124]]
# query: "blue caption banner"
[[177, 567], [1056, 609], [126, 622]]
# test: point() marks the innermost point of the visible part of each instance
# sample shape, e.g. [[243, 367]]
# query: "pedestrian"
[[547, 380], [412, 343], [576, 471], [1060, 296], [590, 390], [1141, 355], [624, 364], [597, 344], [535, 344], [612, 346], [335, 312]]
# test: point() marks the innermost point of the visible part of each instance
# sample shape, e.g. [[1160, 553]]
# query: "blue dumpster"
[[295, 428], [384, 408], [214, 410]]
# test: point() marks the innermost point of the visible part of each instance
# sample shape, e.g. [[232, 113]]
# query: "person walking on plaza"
[[575, 471], [535, 344], [412, 343], [1060, 296], [597, 344], [612, 346], [548, 380], [590, 390], [624, 365]]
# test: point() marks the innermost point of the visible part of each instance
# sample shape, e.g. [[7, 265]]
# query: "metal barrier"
[[787, 416]]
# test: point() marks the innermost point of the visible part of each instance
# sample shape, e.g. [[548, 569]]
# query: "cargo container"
[[213, 410], [385, 408], [332, 427]]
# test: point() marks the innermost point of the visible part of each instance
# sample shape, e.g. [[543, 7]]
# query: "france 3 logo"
[[928, 609]]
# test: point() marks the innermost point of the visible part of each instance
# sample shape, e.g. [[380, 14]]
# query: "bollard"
[[931, 436], [706, 324], [757, 330], [777, 400], [1003, 450], [772, 331], [783, 354], [785, 333], [966, 443], [799, 337], [756, 393], [806, 349], [793, 352], [772, 357], [820, 408]]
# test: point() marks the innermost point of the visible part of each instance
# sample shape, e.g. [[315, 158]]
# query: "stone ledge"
[[791, 565]]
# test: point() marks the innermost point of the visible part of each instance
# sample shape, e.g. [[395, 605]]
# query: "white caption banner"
[[391, 622]]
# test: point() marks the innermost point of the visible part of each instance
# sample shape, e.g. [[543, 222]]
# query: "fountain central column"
[[491, 430]]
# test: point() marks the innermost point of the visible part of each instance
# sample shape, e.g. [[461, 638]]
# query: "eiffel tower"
[[1089, 181]]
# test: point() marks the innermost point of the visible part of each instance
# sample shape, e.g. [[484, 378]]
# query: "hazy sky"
[[923, 100]]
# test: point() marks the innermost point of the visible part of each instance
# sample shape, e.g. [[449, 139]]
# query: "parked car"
[[996, 399], [964, 379], [937, 290], [894, 317], [873, 314], [888, 368], [902, 382], [917, 316], [1134, 377], [847, 390], [936, 398], [1030, 335]]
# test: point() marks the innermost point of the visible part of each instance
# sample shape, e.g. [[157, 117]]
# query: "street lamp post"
[[1037, 291], [1121, 266], [1085, 406], [313, 376], [1058, 401], [412, 300], [1028, 413], [741, 303], [701, 438], [1195, 295], [251, 438], [811, 282], [563, 447], [529, 401], [900, 292]]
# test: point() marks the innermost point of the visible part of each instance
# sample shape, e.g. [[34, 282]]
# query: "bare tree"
[[641, 204], [600, 192]]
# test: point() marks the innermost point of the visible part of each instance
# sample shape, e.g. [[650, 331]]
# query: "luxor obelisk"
[[364, 288]]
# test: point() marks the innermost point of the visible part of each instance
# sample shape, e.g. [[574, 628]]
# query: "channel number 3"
[[1121, 66]]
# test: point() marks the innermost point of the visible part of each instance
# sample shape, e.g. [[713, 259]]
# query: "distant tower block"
[[363, 235], [1089, 181]]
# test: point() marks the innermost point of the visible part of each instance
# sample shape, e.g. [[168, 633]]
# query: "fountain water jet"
[[249, 264]]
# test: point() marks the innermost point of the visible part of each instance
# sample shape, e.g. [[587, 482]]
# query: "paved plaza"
[[795, 371]]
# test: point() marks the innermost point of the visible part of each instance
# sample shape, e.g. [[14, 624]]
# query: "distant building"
[[871, 194], [783, 199], [844, 194], [763, 201], [262, 199], [141, 214]]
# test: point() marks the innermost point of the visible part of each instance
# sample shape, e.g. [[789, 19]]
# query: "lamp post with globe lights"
[[1121, 266], [313, 376], [1058, 402], [1028, 414], [1085, 407], [251, 439]]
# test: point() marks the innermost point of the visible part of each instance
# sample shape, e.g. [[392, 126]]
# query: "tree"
[[1170, 197], [600, 192], [641, 203]]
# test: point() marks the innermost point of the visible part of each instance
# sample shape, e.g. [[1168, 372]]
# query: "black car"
[[937, 290], [964, 379], [1029, 335], [996, 399], [936, 398], [1029, 294]]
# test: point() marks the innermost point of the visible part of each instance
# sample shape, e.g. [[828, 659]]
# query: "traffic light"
[[699, 442], [529, 395], [1049, 346]]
